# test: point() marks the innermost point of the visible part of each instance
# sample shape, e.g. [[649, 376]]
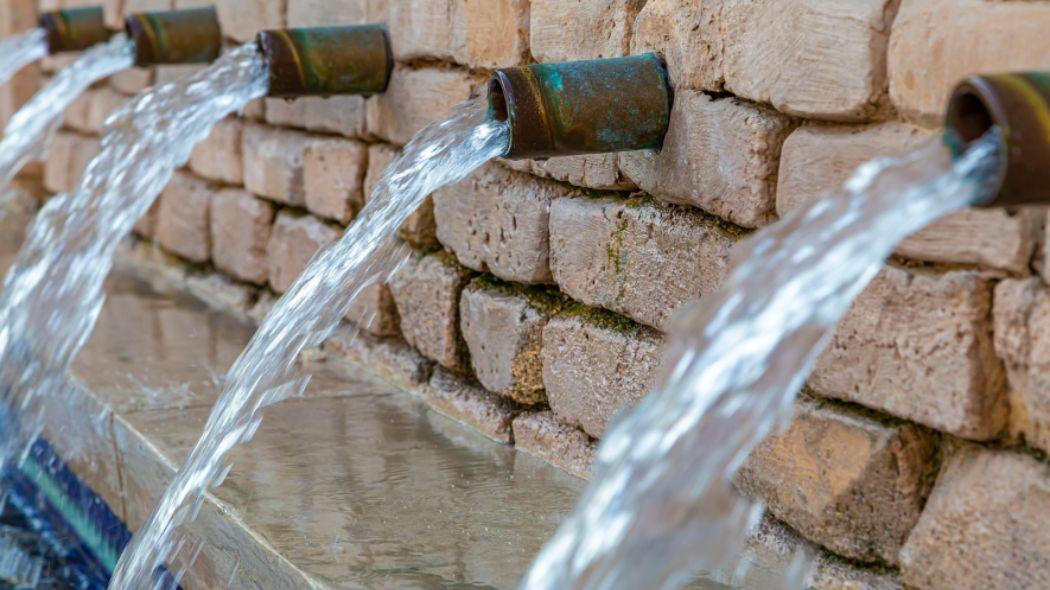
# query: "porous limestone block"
[[720, 154], [69, 158], [415, 98], [919, 346], [131, 81], [817, 159], [183, 218], [344, 115], [1022, 339], [427, 291], [496, 220], [542, 435], [636, 257], [419, 29], [585, 29], [241, 224], [461, 400], [597, 171], [390, 358], [596, 364], [984, 525], [333, 178], [273, 163], [846, 480], [419, 229], [322, 13], [936, 43], [241, 20], [293, 242], [220, 156], [503, 328], [490, 33], [374, 311]]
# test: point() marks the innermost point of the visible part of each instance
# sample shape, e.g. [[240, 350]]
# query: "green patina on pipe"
[[327, 61], [75, 29], [175, 37], [1019, 105], [583, 107]]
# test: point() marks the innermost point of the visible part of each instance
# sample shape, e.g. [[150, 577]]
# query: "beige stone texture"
[[844, 479], [419, 29], [427, 291], [460, 400], [596, 365], [241, 20], [183, 218], [116, 10], [415, 98], [597, 171], [490, 33], [420, 229], [390, 358], [167, 74], [344, 115], [919, 346], [503, 329], [936, 43], [321, 13], [1022, 339], [638, 258], [818, 159], [581, 29], [131, 81], [496, 221], [69, 158], [273, 163], [333, 178], [542, 435], [219, 157], [984, 525], [293, 242], [240, 233], [374, 311], [720, 154]]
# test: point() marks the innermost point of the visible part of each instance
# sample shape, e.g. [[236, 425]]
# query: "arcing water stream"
[[21, 50], [440, 154], [661, 508], [30, 130]]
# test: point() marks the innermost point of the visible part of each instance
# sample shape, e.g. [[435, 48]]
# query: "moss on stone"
[[602, 318], [546, 299]]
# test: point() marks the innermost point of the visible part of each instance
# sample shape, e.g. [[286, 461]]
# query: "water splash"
[[29, 132], [661, 509], [305, 316], [21, 50]]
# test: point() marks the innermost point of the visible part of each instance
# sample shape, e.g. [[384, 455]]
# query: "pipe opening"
[[498, 108], [970, 117]]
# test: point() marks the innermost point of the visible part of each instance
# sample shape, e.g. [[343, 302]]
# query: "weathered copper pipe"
[[1019, 105], [75, 29], [326, 61], [175, 37], [583, 107]]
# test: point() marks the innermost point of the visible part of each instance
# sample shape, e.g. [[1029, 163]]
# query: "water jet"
[[1018, 104], [175, 37], [582, 107], [326, 61], [74, 29]]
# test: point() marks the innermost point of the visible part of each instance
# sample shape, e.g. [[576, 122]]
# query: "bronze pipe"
[[74, 29], [583, 107], [1019, 106], [327, 61], [175, 37]]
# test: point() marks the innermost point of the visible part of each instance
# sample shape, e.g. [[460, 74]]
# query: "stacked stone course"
[[537, 302]]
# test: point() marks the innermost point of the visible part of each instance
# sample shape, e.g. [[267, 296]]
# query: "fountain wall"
[[537, 300]]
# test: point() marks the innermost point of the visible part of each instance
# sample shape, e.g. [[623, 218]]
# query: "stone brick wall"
[[536, 304]]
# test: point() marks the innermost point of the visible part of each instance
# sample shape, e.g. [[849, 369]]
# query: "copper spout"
[[75, 29], [327, 60], [1019, 106], [175, 37]]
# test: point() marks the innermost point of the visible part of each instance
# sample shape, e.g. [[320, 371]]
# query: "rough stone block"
[[503, 328], [419, 29], [597, 171], [460, 400], [596, 364], [333, 178], [542, 435], [146, 226], [936, 43], [390, 358], [273, 163], [496, 220], [427, 291], [490, 33], [131, 81], [1022, 320], [374, 310], [638, 258], [415, 98], [589, 29], [720, 155], [919, 346], [293, 242], [241, 20], [852, 483], [984, 525], [817, 159], [176, 73], [419, 229], [69, 158], [320, 13], [219, 157], [344, 115], [183, 218], [240, 233]]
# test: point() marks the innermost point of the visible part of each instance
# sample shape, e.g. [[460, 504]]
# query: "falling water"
[[369, 251], [21, 50], [30, 130], [661, 509], [53, 293]]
